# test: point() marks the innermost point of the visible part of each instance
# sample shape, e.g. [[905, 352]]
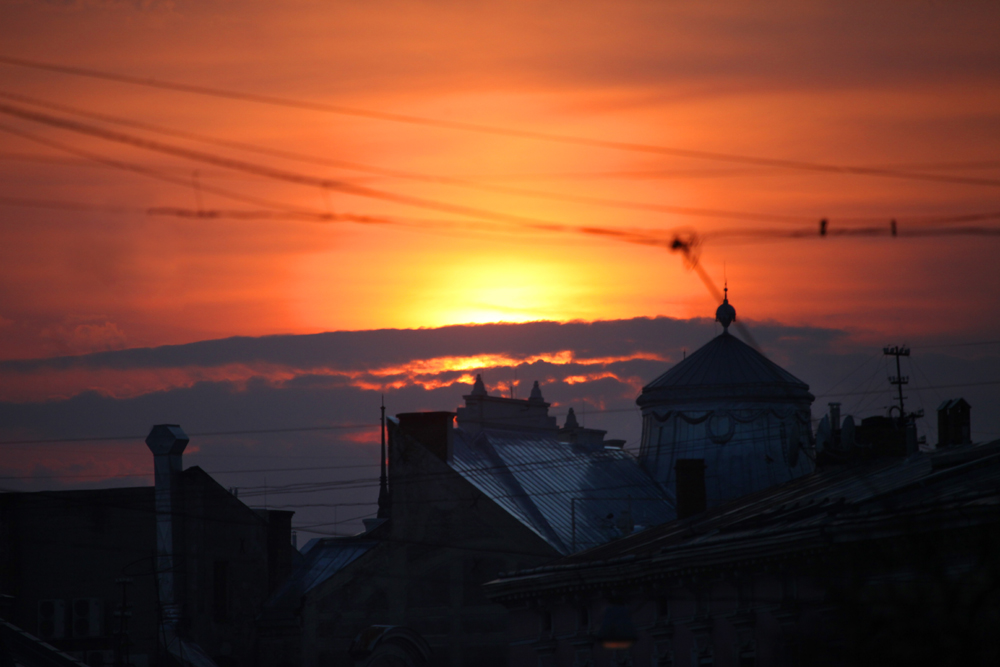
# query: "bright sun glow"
[[499, 289]]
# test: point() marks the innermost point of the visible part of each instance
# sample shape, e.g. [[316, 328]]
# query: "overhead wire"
[[159, 175], [673, 240], [800, 165], [355, 426], [402, 174], [640, 237], [970, 231], [693, 211]]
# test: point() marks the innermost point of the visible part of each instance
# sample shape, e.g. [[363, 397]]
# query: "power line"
[[204, 434], [668, 239], [800, 165], [629, 236], [152, 173], [396, 173], [981, 342], [64, 205], [939, 386], [352, 426]]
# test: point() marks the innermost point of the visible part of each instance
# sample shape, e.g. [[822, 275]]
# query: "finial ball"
[[725, 314]]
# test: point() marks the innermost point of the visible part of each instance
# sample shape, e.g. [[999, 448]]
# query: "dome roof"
[[725, 368]]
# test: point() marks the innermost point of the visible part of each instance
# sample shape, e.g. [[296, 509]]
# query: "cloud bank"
[[329, 387]]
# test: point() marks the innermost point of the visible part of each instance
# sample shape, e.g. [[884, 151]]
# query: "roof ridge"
[[724, 360]]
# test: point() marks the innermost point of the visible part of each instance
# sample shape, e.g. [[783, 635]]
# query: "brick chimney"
[[433, 430]]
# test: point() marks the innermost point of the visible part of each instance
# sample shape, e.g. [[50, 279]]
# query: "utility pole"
[[898, 379]]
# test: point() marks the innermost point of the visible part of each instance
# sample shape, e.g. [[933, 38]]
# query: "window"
[[583, 619], [546, 622], [663, 655], [663, 609], [220, 591]]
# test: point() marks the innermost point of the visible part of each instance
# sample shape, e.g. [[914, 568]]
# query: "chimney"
[[835, 416], [167, 442], [691, 497], [433, 430], [954, 423]]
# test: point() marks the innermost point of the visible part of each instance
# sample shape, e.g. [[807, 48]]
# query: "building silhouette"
[[496, 486], [146, 576], [881, 553], [724, 422], [894, 560]]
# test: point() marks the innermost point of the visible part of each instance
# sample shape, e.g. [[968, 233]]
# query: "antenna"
[[383, 480], [898, 379]]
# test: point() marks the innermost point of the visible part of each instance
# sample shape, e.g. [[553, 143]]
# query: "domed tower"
[[730, 412]]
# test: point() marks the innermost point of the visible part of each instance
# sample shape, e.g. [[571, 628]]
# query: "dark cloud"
[[374, 349], [342, 461]]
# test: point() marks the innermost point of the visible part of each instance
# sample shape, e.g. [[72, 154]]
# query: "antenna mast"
[[898, 379], [383, 480]]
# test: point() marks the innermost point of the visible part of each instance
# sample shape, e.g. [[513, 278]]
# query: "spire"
[[536, 393], [725, 314], [383, 480], [479, 389], [571, 420]]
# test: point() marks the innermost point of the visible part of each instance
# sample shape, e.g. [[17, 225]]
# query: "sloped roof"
[[924, 490], [21, 649], [550, 486], [725, 367], [322, 559]]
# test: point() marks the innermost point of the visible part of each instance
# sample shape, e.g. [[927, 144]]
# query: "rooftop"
[[883, 497], [725, 367], [572, 495]]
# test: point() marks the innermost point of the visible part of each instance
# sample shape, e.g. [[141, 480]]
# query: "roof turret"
[[536, 393], [725, 368], [571, 421]]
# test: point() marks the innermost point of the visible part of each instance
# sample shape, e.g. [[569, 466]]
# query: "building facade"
[[724, 422], [893, 561], [73, 561], [496, 486]]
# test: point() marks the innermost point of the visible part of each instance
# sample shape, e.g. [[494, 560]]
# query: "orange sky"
[[872, 84]]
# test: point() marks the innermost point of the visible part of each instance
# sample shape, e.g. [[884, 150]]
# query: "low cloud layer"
[[293, 420]]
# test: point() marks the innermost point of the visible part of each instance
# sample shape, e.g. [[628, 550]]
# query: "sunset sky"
[[358, 166]]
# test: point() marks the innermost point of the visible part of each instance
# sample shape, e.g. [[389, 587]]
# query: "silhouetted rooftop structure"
[[725, 367], [743, 417], [890, 561]]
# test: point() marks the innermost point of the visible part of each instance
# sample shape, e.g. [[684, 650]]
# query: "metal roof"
[[958, 487], [889, 488], [322, 559], [573, 496], [725, 367]]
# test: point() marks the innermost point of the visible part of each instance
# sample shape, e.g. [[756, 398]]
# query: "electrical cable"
[[396, 173], [800, 165]]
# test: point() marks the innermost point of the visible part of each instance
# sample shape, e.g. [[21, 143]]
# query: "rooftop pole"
[[898, 379], [383, 480]]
